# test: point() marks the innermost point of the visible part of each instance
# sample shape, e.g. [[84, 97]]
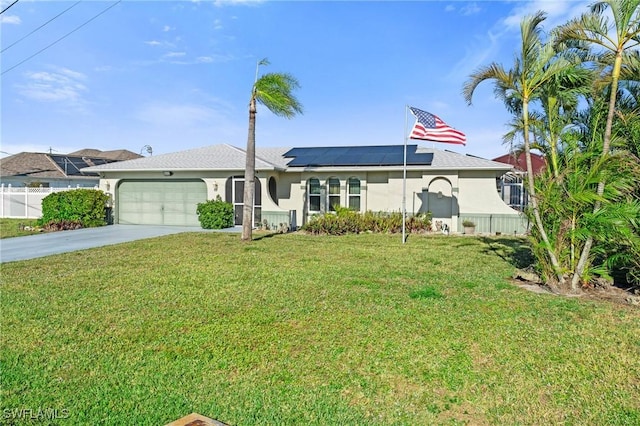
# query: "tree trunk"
[[249, 175], [532, 195], [606, 144]]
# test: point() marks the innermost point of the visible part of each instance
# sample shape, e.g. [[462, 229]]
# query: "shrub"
[[216, 214], [85, 206], [468, 224], [345, 221]]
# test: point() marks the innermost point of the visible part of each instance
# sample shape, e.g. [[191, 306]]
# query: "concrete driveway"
[[45, 244]]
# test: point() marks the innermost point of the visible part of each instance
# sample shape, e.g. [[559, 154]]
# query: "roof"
[[42, 165], [519, 162], [228, 157], [449, 160], [116, 155], [214, 157]]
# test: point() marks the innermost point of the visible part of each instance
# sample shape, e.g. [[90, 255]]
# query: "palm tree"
[[537, 65], [616, 39], [275, 91]]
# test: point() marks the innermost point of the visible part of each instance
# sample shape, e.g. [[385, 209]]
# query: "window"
[[353, 187], [314, 195], [273, 190], [334, 193]]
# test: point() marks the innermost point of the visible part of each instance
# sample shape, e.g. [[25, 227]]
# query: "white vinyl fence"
[[24, 202]]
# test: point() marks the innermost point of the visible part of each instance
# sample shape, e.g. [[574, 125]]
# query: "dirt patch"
[[610, 293]]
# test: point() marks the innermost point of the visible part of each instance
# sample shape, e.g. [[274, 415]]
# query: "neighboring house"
[[27, 178], [511, 185], [38, 169], [292, 185], [519, 162]]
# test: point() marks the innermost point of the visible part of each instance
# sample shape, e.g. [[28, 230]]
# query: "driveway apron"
[[46, 244]]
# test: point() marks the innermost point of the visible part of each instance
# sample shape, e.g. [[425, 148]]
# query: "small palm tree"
[[616, 38], [537, 65], [275, 91]]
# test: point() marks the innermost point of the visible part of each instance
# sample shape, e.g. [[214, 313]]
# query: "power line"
[[16, 42], [7, 8], [60, 39]]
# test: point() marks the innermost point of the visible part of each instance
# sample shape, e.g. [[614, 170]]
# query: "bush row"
[[345, 221]]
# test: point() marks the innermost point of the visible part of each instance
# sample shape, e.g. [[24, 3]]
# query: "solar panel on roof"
[[71, 165], [383, 155]]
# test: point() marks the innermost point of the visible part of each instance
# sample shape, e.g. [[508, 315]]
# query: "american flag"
[[429, 127]]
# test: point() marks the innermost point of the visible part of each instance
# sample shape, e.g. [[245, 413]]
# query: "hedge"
[[84, 206]]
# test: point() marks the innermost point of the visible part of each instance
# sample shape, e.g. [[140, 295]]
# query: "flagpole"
[[404, 178]]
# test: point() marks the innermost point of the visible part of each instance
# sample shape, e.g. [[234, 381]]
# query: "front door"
[[235, 195]]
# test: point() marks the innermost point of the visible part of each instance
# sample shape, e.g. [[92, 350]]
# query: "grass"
[[297, 330], [11, 227]]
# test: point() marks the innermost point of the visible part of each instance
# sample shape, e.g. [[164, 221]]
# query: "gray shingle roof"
[[447, 160], [214, 157], [116, 154], [228, 157], [43, 165]]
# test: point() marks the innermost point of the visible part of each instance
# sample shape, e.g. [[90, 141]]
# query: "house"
[[293, 184], [48, 170], [511, 184], [519, 162]]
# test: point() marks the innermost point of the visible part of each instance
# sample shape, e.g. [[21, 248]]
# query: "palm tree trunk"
[[532, 195], [606, 146], [249, 175]]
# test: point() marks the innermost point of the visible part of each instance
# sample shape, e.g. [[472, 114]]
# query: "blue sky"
[[177, 74]]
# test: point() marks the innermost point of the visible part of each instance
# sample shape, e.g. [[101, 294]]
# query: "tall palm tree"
[[275, 91], [536, 65], [615, 39]]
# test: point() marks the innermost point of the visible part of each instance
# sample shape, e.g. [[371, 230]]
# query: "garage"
[[160, 202]]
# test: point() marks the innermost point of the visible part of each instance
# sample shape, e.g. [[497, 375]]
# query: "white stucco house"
[[293, 184]]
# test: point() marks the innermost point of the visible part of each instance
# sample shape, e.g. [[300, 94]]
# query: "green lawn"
[[11, 227], [298, 330]]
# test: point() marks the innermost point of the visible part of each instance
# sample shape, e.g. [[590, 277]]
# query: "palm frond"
[[275, 91]]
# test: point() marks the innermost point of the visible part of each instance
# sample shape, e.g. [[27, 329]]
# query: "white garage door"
[[160, 202]]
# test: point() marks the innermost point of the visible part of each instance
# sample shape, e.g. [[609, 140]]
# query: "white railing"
[[26, 202]]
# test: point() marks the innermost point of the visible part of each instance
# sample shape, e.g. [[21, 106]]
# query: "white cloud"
[[167, 28], [174, 54], [470, 9], [488, 47], [204, 59], [450, 8], [558, 12], [217, 24], [10, 19], [165, 44], [61, 86]]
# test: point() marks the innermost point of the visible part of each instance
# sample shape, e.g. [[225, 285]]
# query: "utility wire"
[[7, 8], [16, 42], [60, 39]]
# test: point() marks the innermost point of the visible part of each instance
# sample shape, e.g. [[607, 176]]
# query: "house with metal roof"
[[294, 184]]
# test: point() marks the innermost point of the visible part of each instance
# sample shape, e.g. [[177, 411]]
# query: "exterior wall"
[[478, 194], [380, 191], [449, 195]]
